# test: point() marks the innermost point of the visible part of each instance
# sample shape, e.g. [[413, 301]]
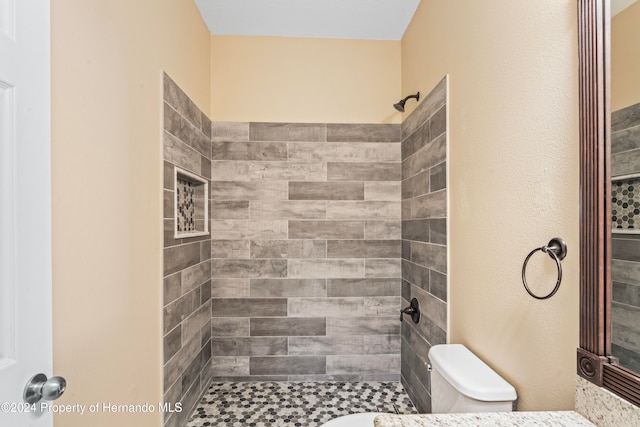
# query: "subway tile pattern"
[[187, 261], [424, 238], [306, 246], [625, 263], [309, 404]]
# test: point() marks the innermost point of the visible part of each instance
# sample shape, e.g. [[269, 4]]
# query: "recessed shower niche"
[[190, 202], [625, 204]]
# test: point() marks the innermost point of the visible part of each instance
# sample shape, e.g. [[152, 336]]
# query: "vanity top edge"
[[497, 419]]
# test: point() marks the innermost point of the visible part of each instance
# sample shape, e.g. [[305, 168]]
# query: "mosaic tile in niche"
[[625, 203], [185, 205], [191, 198]]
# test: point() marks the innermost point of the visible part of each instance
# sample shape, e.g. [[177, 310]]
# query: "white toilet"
[[460, 382]]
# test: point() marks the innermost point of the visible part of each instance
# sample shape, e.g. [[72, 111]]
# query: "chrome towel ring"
[[557, 250]]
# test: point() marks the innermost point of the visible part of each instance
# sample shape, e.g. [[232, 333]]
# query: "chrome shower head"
[[400, 105]]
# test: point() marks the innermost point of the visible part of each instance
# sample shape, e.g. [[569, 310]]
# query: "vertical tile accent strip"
[[424, 234], [187, 261]]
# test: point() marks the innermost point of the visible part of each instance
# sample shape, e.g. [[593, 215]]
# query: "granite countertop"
[[494, 419]]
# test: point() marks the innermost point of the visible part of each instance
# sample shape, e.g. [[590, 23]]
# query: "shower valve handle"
[[413, 310]]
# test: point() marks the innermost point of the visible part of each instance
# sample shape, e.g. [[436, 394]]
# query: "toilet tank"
[[461, 382]]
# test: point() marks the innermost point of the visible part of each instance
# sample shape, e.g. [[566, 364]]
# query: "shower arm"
[[416, 96]]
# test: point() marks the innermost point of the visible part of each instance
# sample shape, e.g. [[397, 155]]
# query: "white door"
[[25, 206]]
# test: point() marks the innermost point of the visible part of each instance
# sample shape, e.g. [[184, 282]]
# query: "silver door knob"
[[39, 387]]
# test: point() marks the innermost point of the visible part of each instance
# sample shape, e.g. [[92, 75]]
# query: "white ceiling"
[[348, 19], [618, 6]]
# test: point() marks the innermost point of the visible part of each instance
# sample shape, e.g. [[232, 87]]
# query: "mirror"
[[609, 264], [625, 183]]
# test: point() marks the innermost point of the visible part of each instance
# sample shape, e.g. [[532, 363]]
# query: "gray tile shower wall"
[[625, 263], [187, 261], [306, 269], [424, 238]]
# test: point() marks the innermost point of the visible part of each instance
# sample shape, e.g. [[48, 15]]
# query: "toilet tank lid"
[[470, 375]]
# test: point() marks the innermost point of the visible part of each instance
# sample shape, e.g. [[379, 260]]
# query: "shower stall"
[[290, 249]]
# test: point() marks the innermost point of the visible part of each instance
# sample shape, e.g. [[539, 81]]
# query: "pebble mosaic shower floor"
[[308, 404]]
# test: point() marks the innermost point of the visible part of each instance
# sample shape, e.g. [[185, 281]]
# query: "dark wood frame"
[[594, 362]]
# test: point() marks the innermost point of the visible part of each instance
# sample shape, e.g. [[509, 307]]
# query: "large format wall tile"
[[288, 365], [253, 190], [424, 234], [230, 209], [363, 287], [364, 249], [187, 261], [627, 162], [427, 107], [180, 154], [427, 157], [625, 118], [269, 248], [230, 366], [386, 267], [230, 288], [288, 326], [344, 345], [268, 171], [235, 229], [337, 132], [230, 248], [323, 307], [177, 258], [311, 346], [230, 326], [183, 130], [329, 268], [382, 191], [326, 191], [306, 226], [239, 268], [364, 171], [287, 132], [362, 210], [288, 209], [380, 325], [229, 131], [383, 230], [625, 140], [270, 288], [249, 346], [625, 264], [248, 307], [326, 229], [225, 150], [178, 100], [307, 248], [370, 364], [344, 152]]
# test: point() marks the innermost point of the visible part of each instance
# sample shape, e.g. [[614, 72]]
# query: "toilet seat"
[[353, 420]]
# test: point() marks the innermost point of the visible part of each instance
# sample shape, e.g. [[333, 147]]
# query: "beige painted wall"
[[625, 57], [514, 170], [289, 79], [513, 179], [107, 62]]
